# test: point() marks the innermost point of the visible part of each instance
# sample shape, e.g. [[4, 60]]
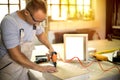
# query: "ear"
[[26, 12]]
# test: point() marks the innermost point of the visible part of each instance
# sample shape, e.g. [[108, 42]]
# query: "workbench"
[[75, 71]]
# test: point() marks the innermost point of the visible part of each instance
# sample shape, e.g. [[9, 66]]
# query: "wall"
[[72, 25], [98, 23], [101, 17]]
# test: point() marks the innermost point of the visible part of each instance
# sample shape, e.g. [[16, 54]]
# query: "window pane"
[[23, 3], [14, 1], [88, 13], [72, 1], [64, 10], [48, 1], [55, 2], [86, 2], [14, 8], [55, 11], [64, 1], [80, 9], [72, 11], [80, 2], [49, 10], [3, 1], [86, 9], [3, 11]]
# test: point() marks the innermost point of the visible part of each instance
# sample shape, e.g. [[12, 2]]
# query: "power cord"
[[100, 65]]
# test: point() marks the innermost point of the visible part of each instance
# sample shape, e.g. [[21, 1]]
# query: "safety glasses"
[[32, 16]]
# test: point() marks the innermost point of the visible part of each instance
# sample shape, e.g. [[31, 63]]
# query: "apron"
[[12, 70]]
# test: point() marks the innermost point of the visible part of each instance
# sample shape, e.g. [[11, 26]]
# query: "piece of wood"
[[66, 71]]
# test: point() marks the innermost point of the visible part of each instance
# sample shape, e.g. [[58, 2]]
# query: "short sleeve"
[[39, 30], [10, 32]]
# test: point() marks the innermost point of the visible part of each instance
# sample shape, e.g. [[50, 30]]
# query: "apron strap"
[[21, 30], [5, 65]]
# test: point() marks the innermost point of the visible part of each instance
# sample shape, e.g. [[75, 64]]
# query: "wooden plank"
[[66, 71]]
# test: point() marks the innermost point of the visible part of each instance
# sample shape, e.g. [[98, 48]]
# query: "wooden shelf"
[[115, 27], [113, 18]]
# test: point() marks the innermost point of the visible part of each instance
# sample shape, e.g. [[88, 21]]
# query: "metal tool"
[[48, 57], [54, 58]]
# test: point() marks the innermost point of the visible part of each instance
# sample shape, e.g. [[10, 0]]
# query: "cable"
[[106, 69], [85, 66]]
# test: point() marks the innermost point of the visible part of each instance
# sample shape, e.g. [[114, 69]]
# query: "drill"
[[46, 58], [53, 58]]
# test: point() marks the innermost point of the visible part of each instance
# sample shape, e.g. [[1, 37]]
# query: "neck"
[[21, 14]]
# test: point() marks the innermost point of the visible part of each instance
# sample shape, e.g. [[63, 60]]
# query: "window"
[[9, 6], [70, 9]]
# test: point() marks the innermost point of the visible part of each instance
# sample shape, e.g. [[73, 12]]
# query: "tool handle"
[[54, 56], [100, 57]]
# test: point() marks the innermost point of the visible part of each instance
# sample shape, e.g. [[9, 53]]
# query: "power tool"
[[54, 58], [116, 57], [48, 57], [100, 57]]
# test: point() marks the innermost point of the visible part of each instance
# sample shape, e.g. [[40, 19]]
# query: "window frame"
[[8, 4], [76, 11]]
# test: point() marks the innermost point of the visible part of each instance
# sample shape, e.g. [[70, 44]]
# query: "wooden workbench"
[[74, 71]]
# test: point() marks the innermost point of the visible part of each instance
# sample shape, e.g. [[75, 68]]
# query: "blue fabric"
[[10, 32]]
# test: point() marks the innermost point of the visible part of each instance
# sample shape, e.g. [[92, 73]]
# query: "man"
[[16, 36]]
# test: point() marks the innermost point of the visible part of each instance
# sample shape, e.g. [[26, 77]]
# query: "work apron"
[[10, 70]]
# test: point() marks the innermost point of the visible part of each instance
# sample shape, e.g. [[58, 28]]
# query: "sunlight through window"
[[9, 6], [69, 9]]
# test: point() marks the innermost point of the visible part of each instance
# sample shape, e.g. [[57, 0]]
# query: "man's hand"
[[49, 69]]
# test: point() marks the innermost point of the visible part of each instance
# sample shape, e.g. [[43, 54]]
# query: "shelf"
[[115, 37], [116, 27]]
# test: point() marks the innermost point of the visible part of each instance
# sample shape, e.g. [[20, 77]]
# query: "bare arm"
[[20, 58], [42, 37]]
